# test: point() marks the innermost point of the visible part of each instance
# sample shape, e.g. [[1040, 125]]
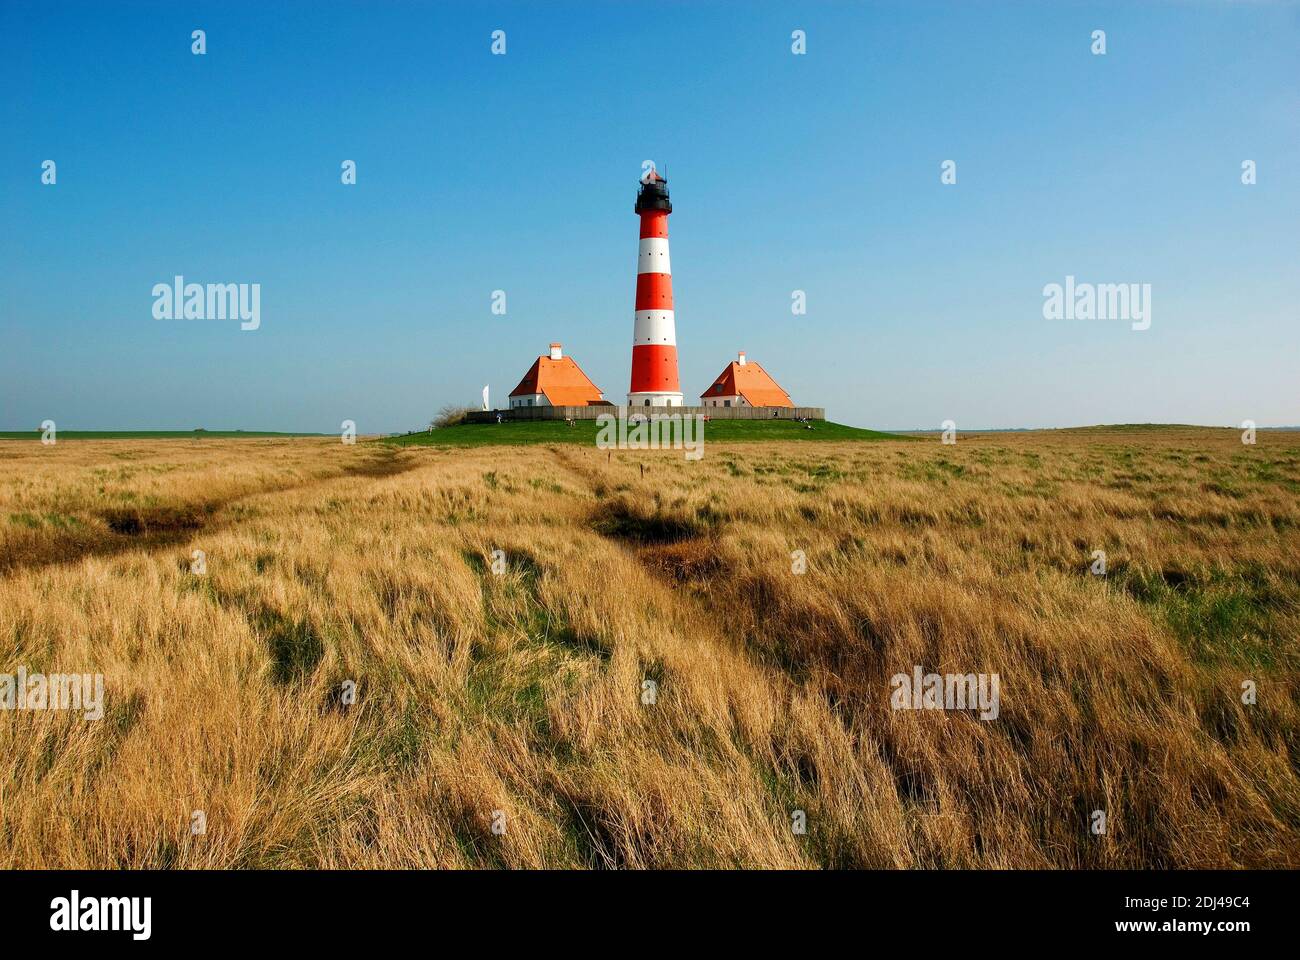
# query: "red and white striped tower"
[[654, 335]]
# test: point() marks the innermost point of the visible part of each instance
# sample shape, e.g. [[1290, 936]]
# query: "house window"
[[726, 403]]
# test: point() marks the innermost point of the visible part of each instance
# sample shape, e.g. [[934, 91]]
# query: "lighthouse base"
[[654, 399]]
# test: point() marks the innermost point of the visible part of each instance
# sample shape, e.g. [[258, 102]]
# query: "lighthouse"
[[654, 334]]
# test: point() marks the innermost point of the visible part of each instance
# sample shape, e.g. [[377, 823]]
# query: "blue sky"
[[818, 172]]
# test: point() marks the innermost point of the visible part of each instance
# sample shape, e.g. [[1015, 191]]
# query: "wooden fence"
[[591, 413]]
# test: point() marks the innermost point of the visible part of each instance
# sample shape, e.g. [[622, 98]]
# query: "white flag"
[[485, 397]]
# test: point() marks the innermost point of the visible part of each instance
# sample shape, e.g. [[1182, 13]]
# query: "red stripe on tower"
[[654, 334]]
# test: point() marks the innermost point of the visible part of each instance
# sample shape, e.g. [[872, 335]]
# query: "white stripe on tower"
[[654, 326], [654, 256]]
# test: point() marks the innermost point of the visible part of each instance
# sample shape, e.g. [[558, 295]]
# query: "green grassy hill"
[[584, 431], [148, 434], [1139, 427]]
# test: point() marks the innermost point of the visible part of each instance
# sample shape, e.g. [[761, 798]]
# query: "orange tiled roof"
[[750, 381], [561, 381]]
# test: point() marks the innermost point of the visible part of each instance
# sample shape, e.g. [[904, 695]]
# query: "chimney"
[[741, 361], [555, 351]]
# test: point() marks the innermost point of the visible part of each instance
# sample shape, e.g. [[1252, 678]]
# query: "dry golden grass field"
[[517, 699]]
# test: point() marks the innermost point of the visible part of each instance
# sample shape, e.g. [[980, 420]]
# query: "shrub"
[[449, 416]]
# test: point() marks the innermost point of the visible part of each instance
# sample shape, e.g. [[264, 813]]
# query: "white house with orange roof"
[[555, 380], [745, 384]]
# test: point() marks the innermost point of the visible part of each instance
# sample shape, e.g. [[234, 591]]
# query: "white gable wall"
[[530, 400]]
